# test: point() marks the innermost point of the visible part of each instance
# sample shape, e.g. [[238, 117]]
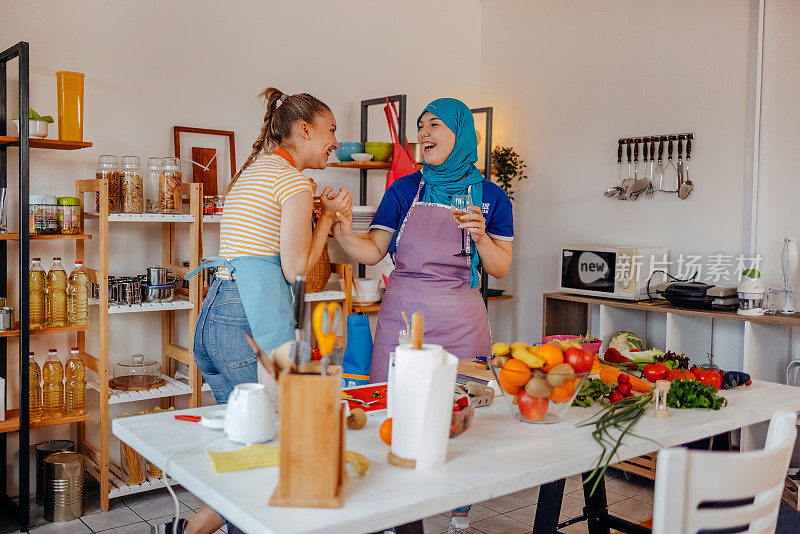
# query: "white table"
[[496, 456]]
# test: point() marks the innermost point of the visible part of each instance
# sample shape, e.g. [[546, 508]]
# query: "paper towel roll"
[[422, 403]]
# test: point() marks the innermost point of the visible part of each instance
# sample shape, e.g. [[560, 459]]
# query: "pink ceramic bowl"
[[591, 348]]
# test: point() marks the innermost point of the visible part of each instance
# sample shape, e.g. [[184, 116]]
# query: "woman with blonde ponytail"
[[266, 240]]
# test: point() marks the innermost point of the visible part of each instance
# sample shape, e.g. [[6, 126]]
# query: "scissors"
[[325, 339]]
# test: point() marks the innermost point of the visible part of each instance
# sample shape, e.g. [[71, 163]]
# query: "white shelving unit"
[[321, 296], [145, 217], [172, 388]]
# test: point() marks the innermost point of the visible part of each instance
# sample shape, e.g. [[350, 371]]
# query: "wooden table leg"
[[548, 507]]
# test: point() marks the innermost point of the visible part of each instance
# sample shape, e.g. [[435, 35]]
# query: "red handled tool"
[[189, 418]]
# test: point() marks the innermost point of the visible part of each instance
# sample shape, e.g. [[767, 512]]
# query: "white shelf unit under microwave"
[[758, 345]]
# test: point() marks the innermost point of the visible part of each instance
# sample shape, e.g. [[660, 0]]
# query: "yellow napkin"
[[248, 457], [257, 455]]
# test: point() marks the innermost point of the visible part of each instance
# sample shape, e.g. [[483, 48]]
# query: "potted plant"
[[507, 167], [36, 123]]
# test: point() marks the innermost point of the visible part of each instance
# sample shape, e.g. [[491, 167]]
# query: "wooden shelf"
[[504, 296], [37, 331], [776, 319], [144, 217], [11, 423], [52, 144], [364, 165], [46, 237]]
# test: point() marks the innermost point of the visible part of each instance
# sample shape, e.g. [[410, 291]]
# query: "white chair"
[[687, 479]]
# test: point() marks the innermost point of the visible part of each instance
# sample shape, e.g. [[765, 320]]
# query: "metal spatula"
[[687, 186]]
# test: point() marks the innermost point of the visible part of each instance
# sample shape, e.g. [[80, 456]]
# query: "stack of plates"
[[367, 299], [362, 218]]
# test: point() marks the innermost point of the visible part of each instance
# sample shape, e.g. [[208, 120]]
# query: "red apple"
[[580, 360], [531, 408]]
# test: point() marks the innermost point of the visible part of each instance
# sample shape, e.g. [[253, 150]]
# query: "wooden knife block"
[[312, 468]]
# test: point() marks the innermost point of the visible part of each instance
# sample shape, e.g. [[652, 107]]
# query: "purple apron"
[[429, 279]]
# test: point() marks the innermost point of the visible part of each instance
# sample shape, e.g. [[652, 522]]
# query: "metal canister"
[[43, 450], [6, 318], [128, 293], [63, 481]]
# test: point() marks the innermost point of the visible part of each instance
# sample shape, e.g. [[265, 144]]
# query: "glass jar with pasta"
[[131, 185], [169, 187], [108, 169]]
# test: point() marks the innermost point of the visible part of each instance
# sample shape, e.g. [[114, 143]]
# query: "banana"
[[519, 345], [359, 461], [500, 349], [528, 358]]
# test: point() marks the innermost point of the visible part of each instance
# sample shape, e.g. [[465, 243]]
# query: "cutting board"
[[365, 393]]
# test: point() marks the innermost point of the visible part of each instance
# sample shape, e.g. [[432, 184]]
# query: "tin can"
[[6, 318]]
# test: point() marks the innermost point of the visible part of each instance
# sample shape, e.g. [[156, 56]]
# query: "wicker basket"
[[319, 275]]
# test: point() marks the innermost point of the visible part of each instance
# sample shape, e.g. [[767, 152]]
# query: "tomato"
[[708, 377], [580, 360], [676, 374], [655, 371]]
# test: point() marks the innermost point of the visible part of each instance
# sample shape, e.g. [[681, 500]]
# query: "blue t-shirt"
[[392, 210]]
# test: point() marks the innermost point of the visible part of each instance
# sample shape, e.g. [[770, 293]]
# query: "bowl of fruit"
[[463, 410], [538, 383]]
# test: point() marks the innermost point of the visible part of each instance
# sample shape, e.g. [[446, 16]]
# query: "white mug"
[[250, 416]]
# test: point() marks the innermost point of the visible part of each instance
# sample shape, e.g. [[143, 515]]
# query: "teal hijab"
[[458, 172]]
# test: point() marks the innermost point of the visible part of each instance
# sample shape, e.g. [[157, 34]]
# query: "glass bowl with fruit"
[[463, 410], [538, 383]]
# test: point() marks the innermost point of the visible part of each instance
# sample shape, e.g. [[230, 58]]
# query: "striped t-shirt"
[[251, 218]]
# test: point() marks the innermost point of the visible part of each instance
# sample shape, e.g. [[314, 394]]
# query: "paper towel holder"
[[417, 327]]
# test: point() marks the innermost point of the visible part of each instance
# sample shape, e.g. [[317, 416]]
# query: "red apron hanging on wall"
[[402, 162]]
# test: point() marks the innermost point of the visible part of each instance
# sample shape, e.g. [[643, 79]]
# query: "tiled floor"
[[630, 498]]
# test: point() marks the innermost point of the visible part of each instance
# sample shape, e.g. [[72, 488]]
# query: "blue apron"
[[265, 293]]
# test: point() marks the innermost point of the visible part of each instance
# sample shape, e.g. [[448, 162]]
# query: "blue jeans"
[[220, 350]]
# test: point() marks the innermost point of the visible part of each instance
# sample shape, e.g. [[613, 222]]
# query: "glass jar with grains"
[[131, 185], [108, 169], [169, 187], [151, 179], [42, 214]]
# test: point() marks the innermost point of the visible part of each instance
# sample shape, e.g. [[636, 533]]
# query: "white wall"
[[567, 79], [150, 65]]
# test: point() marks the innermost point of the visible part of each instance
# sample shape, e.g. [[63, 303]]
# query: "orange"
[[502, 379], [562, 393], [517, 373], [386, 431], [551, 354]]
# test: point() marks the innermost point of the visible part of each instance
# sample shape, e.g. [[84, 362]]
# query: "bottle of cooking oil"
[[78, 297], [38, 283], [53, 387], [35, 393], [56, 295], [75, 384]]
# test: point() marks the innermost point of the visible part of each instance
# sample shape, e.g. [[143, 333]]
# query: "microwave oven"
[[611, 271]]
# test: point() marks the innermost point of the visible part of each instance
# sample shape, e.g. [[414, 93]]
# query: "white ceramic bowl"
[[37, 128], [361, 156], [364, 287]]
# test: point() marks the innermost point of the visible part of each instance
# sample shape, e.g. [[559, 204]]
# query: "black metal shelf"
[[20, 51]]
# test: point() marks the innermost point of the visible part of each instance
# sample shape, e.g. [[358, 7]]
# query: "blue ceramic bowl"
[[345, 150]]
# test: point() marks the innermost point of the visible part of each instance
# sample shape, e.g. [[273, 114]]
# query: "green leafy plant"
[[32, 115], [510, 168]]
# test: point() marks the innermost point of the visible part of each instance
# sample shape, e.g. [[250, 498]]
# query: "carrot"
[[610, 374]]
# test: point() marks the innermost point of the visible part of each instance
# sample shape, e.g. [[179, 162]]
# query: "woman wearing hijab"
[[415, 224]]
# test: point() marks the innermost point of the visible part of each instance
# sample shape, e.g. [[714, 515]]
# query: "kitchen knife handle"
[[299, 290], [636, 150], [619, 151], [689, 147], [628, 148]]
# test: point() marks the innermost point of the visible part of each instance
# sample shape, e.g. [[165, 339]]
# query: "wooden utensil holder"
[[312, 468]]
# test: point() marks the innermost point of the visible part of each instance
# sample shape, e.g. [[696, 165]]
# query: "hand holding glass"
[[459, 205]]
